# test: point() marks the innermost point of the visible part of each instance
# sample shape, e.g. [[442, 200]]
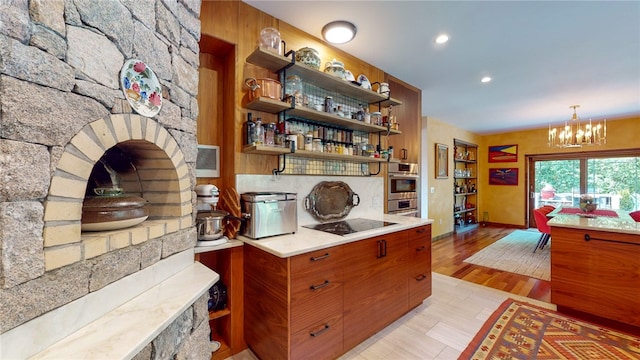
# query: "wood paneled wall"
[[239, 24]]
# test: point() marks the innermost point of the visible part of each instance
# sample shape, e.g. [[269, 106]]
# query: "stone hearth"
[[61, 109]]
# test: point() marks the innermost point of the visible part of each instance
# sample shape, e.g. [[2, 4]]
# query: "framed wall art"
[[503, 176], [503, 153], [442, 161]]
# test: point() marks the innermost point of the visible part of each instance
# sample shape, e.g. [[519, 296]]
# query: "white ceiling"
[[543, 56]]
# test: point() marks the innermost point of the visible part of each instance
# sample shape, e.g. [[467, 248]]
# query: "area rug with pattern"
[[518, 330], [514, 253]]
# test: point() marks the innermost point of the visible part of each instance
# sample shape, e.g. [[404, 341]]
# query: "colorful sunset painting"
[[506, 176], [503, 153]]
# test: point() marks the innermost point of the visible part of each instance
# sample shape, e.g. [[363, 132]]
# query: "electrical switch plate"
[[433, 190]]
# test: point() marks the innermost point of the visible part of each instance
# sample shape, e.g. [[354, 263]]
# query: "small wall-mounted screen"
[[208, 161]]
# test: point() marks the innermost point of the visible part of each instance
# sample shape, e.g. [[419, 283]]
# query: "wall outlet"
[[377, 200], [440, 221]]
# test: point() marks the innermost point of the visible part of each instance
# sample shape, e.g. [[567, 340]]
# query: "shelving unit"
[[226, 324], [276, 63], [465, 193], [284, 65], [273, 150]]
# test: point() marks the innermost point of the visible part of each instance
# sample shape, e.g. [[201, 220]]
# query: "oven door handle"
[[403, 176]]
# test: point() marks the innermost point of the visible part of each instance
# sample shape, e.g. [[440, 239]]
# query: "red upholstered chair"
[[549, 207], [635, 215], [541, 218]]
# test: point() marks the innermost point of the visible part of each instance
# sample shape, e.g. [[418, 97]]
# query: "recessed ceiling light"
[[442, 38], [485, 79], [339, 32]]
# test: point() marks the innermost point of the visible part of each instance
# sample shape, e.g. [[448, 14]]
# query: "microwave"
[[208, 161]]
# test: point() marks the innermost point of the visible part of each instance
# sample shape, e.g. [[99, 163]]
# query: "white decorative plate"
[[348, 75], [141, 87], [364, 82]]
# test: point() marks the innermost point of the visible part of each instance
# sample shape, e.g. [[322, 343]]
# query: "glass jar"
[[270, 133], [376, 118], [300, 140], [328, 104], [259, 132], [270, 39], [317, 145], [293, 90], [308, 142]]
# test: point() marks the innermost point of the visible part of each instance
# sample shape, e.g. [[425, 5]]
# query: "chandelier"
[[576, 133]]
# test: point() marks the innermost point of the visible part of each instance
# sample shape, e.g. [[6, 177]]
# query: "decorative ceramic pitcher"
[[335, 68]]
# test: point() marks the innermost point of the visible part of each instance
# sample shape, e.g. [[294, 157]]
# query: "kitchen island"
[[316, 295], [595, 267]]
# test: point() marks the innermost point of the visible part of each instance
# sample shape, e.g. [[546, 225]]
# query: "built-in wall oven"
[[402, 189]]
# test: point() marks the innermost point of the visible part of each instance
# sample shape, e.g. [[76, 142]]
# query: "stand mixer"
[[210, 222]]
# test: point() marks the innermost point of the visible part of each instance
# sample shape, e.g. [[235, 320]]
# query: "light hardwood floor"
[[464, 296]]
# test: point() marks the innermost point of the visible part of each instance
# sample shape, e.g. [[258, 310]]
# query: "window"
[[612, 177]]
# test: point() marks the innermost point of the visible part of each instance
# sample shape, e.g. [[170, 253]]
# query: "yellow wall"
[[505, 204], [441, 199]]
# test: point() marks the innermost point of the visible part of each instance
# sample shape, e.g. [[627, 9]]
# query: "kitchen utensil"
[[111, 212], [263, 87], [230, 202], [331, 200], [210, 224]]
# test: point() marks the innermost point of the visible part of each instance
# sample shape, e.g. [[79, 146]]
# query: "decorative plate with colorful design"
[[141, 87]]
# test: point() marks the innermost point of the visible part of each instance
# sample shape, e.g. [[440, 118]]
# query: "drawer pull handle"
[[319, 332], [421, 277], [588, 237], [316, 258], [420, 231], [421, 248], [316, 287]]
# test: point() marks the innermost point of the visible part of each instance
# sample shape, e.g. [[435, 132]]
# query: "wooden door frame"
[[530, 160]]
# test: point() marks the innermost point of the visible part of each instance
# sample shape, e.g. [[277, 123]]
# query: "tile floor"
[[440, 328]]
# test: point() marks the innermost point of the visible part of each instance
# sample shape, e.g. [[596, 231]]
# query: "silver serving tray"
[[331, 200]]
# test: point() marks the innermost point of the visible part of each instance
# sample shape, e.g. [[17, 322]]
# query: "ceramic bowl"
[[309, 56]]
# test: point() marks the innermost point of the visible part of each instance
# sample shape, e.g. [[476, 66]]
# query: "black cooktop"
[[349, 226]]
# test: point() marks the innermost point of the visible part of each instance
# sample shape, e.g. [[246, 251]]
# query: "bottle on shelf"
[[259, 132], [249, 131]]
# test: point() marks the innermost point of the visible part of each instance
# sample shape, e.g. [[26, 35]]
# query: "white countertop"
[[622, 224], [306, 240]]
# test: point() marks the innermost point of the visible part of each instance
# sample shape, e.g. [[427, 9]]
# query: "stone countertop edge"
[[123, 332], [306, 240], [623, 224]]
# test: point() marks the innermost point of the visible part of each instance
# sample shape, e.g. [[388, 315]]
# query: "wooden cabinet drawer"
[[317, 261], [419, 265], [321, 340], [309, 306], [316, 287]]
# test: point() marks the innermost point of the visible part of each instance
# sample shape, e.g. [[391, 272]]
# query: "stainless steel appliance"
[[402, 189], [269, 213]]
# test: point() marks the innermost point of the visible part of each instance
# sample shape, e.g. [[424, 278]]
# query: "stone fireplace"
[[124, 293]]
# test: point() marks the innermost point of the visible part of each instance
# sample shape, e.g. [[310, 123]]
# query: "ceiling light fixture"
[[442, 38], [575, 134], [485, 79], [339, 32]]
